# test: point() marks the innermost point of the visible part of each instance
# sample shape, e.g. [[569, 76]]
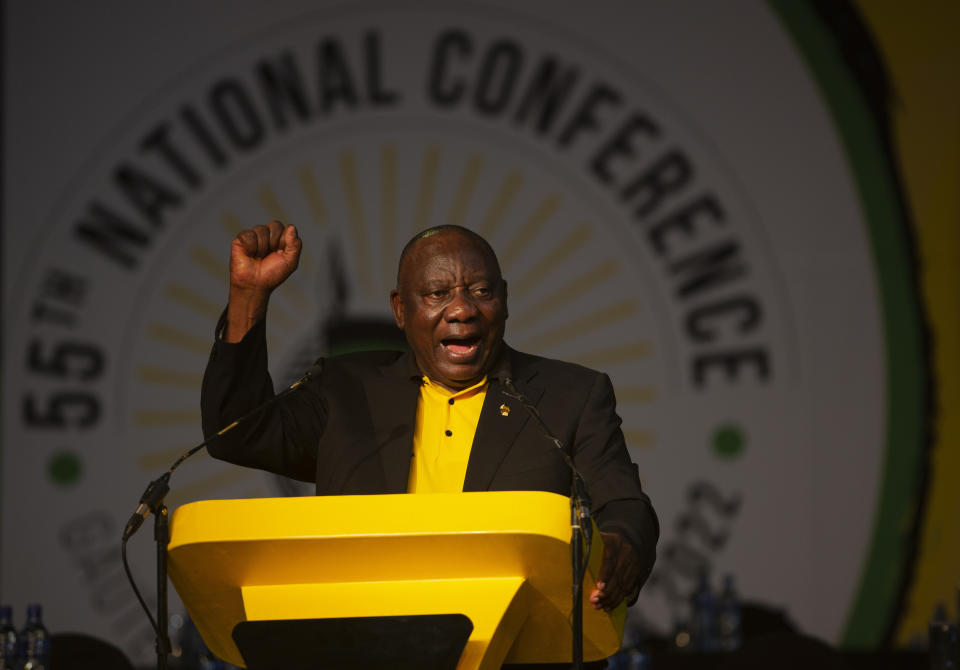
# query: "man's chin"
[[460, 376]]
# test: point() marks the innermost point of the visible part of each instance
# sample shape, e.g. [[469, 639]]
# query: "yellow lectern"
[[502, 559]]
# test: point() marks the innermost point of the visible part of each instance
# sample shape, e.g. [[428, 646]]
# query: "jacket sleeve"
[[280, 437], [600, 454]]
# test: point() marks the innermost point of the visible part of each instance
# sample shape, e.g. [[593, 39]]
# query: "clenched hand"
[[260, 260]]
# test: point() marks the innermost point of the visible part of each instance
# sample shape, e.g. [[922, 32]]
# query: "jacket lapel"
[[497, 430], [392, 400]]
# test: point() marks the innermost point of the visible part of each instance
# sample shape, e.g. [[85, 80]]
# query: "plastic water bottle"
[[944, 642], [8, 639], [34, 641], [703, 626], [728, 617]]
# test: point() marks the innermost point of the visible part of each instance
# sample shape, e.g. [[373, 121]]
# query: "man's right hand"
[[260, 260]]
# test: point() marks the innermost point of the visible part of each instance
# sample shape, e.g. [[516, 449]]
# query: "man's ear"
[[396, 304], [506, 312]]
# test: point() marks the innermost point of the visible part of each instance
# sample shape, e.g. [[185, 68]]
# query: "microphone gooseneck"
[[157, 490], [579, 486], [581, 526], [152, 501]]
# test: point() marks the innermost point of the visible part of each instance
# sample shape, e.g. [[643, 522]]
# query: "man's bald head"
[[446, 229]]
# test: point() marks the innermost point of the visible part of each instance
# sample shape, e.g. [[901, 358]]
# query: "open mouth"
[[461, 347]]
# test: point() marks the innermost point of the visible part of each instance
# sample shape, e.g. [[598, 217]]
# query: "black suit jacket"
[[350, 429]]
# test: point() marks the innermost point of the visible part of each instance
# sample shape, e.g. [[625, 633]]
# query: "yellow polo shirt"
[[443, 436]]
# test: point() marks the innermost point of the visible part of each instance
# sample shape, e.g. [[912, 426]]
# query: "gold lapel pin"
[[504, 410]]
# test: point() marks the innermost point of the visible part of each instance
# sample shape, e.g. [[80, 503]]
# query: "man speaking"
[[434, 419]]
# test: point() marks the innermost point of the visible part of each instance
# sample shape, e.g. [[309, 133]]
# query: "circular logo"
[[637, 234]]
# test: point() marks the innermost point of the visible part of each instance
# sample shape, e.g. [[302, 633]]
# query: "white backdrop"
[[663, 183]]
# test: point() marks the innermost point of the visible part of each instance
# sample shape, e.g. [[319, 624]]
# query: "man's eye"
[[481, 291], [439, 293]]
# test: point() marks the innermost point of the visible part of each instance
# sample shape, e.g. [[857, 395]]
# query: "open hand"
[[620, 573]]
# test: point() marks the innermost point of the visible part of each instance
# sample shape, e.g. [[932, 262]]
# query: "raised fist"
[[261, 259]]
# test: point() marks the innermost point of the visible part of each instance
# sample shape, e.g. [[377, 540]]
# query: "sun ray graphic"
[[356, 221], [428, 189], [178, 339], [152, 418], [465, 190], [192, 300], [556, 257], [271, 204], [568, 292], [186, 379], [212, 264], [637, 395], [313, 195], [611, 356], [501, 204], [529, 230], [638, 439], [619, 311], [388, 212], [232, 223]]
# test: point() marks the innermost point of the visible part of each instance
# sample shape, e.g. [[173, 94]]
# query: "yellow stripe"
[[529, 230], [610, 356], [585, 324], [560, 254], [388, 213], [358, 230], [181, 378], [468, 184], [921, 53], [180, 339], [638, 439], [639, 395], [428, 188], [310, 187], [271, 204], [568, 292], [192, 300], [151, 418], [213, 265], [231, 223], [508, 191]]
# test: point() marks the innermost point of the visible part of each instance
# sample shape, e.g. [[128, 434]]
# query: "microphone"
[[581, 527], [153, 496], [579, 486], [157, 490]]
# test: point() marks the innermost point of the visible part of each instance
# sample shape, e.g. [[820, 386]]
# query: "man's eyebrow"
[[430, 284]]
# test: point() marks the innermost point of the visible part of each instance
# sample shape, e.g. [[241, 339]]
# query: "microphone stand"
[[152, 500], [580, 524]]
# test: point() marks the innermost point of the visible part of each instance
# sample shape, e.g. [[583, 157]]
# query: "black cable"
[[152, 498], [133, 583]]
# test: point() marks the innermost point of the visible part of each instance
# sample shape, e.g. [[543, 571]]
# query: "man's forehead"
[[445, 251]]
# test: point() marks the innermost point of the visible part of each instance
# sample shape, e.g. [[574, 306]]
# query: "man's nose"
[[461, 306]]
